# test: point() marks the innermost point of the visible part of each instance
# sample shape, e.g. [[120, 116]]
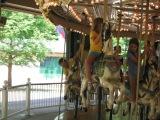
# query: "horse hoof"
[[70, 100], [115, 102], [65, 97], [107, 109], [85, 109], [124, 113]]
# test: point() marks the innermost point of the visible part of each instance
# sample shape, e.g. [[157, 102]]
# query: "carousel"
[[140, 19], [122, 18]]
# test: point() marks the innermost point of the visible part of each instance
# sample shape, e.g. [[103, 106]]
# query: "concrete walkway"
[[38, 114], [50, 114]]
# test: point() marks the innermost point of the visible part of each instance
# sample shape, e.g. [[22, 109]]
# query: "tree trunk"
[[10, 71]]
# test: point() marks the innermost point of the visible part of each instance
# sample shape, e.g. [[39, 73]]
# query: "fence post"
[[99, 116], [28, 97], [5, 100]]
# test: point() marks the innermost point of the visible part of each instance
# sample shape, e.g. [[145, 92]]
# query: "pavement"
[[38, 114]]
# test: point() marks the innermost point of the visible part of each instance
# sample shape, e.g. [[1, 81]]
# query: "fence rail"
[[23, 98]]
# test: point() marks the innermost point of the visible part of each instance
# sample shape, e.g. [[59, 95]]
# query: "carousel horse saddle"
[[110, 61], [98, 66], [74, 66], [74, 83]]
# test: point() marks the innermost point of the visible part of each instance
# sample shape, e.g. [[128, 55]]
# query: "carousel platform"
[[50, 114], [91, 114]]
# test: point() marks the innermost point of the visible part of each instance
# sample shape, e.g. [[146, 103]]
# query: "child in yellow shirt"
[[95, 47]]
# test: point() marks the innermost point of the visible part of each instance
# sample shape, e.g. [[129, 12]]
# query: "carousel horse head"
[[106, 31], [72, 82], [106, 37]]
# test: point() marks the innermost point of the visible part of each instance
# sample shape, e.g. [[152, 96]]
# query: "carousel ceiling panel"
[[84, 11], [78, 15], [28, 6], [28, 3]]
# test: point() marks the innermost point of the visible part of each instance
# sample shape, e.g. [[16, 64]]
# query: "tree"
[[22, 39]]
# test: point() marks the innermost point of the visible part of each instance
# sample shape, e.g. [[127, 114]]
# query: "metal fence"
[[23, 98]]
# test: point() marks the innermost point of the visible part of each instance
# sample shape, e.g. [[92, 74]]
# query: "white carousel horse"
[[150, 96], [72, 85], [110, 78], [149, 87]]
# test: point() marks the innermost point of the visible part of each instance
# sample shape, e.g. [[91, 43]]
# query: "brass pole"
[[119, 23], [154, 31], [105, 16], [146, 31], [81, 47], [139, 59]]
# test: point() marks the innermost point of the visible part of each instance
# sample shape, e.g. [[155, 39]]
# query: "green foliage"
[[123, 42], [27, 26], [22, 40], [22, 52]]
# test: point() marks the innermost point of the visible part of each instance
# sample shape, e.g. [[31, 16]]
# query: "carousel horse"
[[149, 91], [72, 85], [106, 73], [149, 85], [148, 94]]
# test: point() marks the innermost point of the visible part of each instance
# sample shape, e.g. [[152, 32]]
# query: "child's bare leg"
[[133, 89]]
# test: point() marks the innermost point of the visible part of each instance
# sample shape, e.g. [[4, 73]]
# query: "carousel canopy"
[[130, 18]]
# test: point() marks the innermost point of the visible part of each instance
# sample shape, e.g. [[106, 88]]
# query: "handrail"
[[16, 86], [21, 8], [22, 98], [45, 83]]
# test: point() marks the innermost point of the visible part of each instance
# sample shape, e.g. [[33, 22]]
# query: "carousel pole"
[[105, 11], [106, 19], [139, 59], [99, 116], [153, 32], [83, 39], [144, 108], [64, 55], [146, 31], [118, 39], [119, 23]]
